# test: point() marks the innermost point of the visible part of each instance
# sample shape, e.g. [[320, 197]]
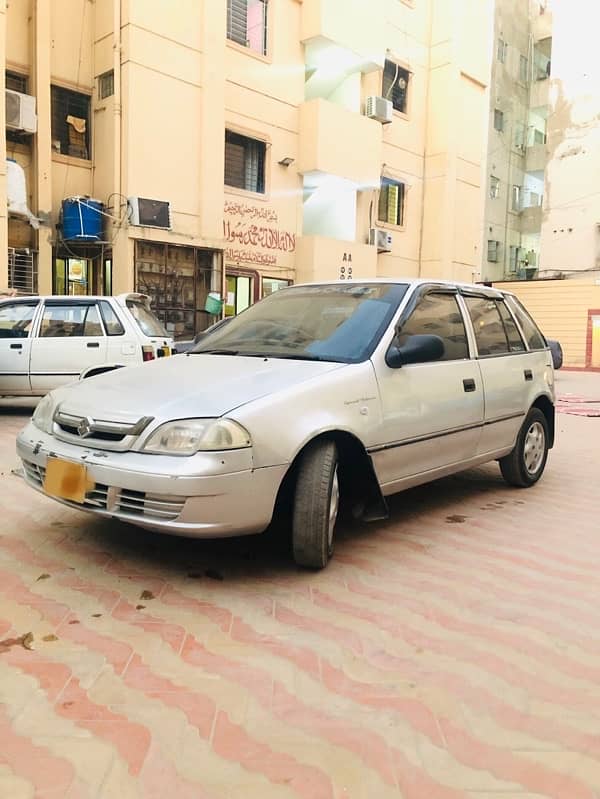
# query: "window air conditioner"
[[381, 239], [380, 109], [149, 213], [20, 112]]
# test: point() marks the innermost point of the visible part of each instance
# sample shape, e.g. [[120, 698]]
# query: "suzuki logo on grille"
[[85, 427]]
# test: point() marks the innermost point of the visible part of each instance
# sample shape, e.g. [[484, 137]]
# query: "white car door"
[[432, 412], [16, 320], [506, 368], [70, 339]]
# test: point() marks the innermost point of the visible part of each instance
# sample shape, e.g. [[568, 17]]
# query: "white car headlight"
[[188, 436], [42, 416]]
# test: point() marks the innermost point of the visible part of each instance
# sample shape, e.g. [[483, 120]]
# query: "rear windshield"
[[147, 322]]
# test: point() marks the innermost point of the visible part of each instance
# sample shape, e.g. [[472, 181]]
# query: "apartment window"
[[395, 85], [70, 123], [391, 202], [502, 48], [516, 198], [247, 24], [514, 258], [523, 69], [494, 187], [493, 251], [106, 85], [519, 135], [244, 162], [498, 120], [16, 82]]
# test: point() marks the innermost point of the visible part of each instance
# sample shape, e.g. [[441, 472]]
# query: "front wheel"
[[524, 466], [316, 505]]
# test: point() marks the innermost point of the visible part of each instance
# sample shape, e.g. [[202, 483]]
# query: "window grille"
[[22, 270], [71, 123], [391, 202], [244, 162], [106, 85], [247, 24]]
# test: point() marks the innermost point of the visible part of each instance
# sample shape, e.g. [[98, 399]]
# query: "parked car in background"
[[321, 394], [557, 353], [46, 342]]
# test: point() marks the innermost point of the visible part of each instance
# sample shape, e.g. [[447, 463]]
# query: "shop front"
[[178, 280]]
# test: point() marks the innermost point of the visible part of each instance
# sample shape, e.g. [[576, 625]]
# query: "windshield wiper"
[[213, 352]]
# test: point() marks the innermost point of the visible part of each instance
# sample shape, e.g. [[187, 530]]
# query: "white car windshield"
[[147, 322], [334, 322]]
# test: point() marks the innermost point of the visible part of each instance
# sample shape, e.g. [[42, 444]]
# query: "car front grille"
[[120, 501], [98, 433]]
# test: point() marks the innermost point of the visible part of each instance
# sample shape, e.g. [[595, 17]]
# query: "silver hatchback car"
[[319, 394]]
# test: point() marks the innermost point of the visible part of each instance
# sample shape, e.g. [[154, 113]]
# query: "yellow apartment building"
[[180, 147]]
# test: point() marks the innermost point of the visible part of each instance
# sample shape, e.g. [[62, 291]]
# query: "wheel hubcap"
[[534, 447], [334, 504]]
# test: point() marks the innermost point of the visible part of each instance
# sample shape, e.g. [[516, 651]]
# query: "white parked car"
[[46, 342], [319, 394]]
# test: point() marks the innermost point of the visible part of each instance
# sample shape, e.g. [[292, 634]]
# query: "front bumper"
[[208, 495]]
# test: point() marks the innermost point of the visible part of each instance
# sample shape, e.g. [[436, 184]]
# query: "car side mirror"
[[417, 349]]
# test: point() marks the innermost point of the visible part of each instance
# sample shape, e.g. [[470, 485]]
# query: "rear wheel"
[[524, 466], [316, 505]]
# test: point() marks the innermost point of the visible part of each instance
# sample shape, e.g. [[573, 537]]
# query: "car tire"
[[524, 466], [315, 505]]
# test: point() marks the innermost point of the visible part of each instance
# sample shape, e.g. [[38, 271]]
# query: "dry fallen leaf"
[[50, 637], [27, 641], [42, 577], [140, 607], [96, 615], [74, 621], [146, 595]]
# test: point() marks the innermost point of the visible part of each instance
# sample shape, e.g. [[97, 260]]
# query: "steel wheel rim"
[[534, 448], [334, 504]]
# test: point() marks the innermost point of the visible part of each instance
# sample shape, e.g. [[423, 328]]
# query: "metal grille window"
[[22, 270], [247, 24], [395, 85], [70, 123], [493, 251], [244, 162], [498, 120], [16, 82], [502, 47], [106, 85], [391, 202], [494, 187]]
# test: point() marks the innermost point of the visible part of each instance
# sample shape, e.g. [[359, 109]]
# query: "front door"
[[15, 344], [70, 338], [432, 412]]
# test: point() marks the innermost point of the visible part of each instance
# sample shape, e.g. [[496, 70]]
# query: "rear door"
[[16, 322], [70, 338], [506, 370]]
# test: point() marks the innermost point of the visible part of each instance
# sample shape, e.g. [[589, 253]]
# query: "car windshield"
[[147, 322], [339, 322]]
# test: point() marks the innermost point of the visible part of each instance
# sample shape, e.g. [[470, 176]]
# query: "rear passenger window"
[[533, 337], [438, 315], [70, 320], [515, 342], [111, 321], [490, 334]]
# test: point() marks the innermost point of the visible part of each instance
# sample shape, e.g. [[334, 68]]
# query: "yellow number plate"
[[166, 351], [66, 480]]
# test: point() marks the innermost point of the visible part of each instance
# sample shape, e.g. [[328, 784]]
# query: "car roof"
[[129, 295], [481, 288]]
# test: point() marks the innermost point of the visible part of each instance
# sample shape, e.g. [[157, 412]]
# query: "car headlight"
[[188, 436], [43, 414]]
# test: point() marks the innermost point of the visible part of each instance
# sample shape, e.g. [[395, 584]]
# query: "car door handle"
[[469, 385], [16, 346], [93, 344], [528, 374]]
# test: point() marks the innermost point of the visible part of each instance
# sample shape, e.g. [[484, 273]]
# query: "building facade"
[[236, 146], [518, 148]]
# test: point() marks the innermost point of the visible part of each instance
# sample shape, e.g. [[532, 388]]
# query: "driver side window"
[[438, 315]]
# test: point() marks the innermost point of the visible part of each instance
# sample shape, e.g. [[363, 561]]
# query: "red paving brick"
[[451, 652]]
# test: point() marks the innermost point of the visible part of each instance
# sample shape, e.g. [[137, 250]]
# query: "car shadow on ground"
[[432, 507]]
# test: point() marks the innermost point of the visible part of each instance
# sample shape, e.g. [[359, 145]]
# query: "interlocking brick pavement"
[[451, 652]]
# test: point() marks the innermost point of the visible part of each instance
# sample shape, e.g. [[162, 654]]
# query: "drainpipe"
[[117, 100]]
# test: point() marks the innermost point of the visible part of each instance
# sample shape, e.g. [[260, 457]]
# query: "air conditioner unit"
[[380, 109], [381, 239], [20, 112], [149, 213]]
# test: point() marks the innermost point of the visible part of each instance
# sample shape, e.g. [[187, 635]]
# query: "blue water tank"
[[82, 219]]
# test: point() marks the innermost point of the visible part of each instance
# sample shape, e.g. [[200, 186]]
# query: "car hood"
[[186, 386]]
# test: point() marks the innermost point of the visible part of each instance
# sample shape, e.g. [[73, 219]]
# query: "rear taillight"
[[147, 353]]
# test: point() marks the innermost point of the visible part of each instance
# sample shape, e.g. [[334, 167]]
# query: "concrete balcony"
[[539, 93], [531, 220], [541, 26], [354, 26], [322, 258], [335, 141], [536, 157]]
